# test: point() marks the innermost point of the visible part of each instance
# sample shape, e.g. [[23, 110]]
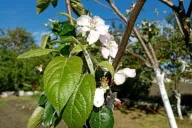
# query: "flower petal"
[[129, 72], [99, 97], [102, 29], [84, 20], [98, 21], [93, 37], [119, 78], [113, 44], [81, 30], [105, 39], [113, 52], [105, 52]]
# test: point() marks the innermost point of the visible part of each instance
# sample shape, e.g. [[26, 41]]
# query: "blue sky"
[[22, 13]]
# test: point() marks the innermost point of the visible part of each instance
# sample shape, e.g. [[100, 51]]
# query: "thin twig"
[[178, 23], [156, 63], [103, 4], [68, 6], [154, 55], [145, 48], [116, 10], [139, 57]]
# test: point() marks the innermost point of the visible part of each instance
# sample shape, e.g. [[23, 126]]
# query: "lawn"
[[15, 112]]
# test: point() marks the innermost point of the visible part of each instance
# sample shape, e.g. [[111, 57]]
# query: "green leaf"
[[78, 48], [64, 39], [54, 3], [67, 15], [108, 66], [41, 5], [102, 118], [80, 104], [36, 53], [42, 100], [67, 29], [48, 114], [36, 118], [44, 40], [61, 77], [77, 7], [89, 61], [65, 50]]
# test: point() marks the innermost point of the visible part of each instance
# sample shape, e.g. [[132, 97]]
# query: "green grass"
[[11, 110]]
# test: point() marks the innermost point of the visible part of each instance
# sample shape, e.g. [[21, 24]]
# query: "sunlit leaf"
[[41, 5], [108, 66], [77, 7], [44, 40], [80, 104], [36, 53], [64, 39], [78, 48], [61, 77], [36, 118]]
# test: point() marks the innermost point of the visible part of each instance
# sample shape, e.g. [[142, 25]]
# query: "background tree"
[[18, 74]]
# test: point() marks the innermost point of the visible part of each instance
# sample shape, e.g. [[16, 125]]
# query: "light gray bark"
[[178, 97], [164, 96]]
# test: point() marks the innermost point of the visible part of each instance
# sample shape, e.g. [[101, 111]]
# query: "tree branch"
[[189, 9], [145, 48], [130, 25], [116, 10], [68, 6], [179, 24], [170, 4]]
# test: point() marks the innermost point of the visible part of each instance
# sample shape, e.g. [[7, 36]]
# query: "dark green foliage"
[[102, 118], [19, 74]]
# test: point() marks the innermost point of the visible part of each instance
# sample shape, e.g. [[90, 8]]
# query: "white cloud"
[[38, 36]]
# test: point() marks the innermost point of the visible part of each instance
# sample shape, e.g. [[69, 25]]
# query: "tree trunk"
[[178, 97], [164, 96], [190, 117]]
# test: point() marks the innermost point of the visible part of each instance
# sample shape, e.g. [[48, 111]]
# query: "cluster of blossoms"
[[94, 29], [50, 23], [148, 29]]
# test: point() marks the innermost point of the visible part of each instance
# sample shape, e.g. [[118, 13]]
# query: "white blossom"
[[99, 97], [95, 27], [110, 47], [121, 75]]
